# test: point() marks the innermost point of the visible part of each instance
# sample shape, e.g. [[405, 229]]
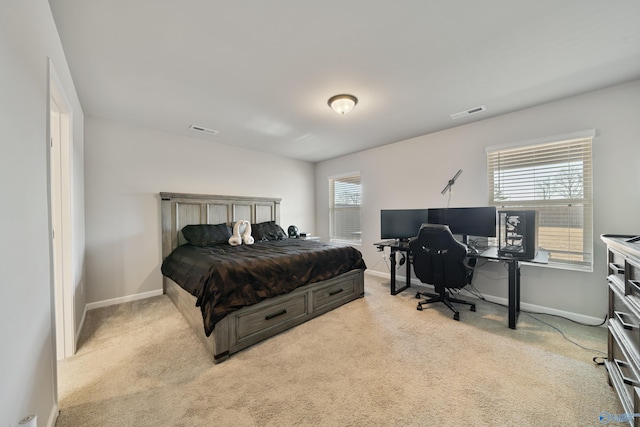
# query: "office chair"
[[439, 260]]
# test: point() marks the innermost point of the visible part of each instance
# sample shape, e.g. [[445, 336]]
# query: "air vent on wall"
[[203, 129], [468, 112]]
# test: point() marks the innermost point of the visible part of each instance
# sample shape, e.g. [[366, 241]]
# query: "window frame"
[[528, 187], [350, 178]]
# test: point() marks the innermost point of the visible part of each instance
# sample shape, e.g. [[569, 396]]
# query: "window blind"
[[346, 194], [553, 178]]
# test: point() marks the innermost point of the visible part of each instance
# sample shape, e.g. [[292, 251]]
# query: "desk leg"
[[395, 291], [392, 257], [408, 274], [514, 292], [518, 290]]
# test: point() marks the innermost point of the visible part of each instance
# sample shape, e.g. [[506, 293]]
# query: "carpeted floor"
[[374, 362]]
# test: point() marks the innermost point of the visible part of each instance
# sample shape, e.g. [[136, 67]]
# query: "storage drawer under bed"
[[333, 295], [253, 322]]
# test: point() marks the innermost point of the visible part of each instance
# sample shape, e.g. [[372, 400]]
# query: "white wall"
[[27, 360], [126, 168], [411, 174]]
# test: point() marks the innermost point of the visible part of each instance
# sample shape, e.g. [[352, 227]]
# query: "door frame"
[[61, 208]]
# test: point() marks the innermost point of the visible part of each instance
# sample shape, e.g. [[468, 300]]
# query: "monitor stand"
[[402, 242]]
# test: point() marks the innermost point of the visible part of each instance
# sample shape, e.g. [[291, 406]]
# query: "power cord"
[[384, 258], [562, 333], [474, 292]]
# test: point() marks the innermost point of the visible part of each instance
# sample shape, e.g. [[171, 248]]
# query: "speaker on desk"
[[293, 232], [518, 233]]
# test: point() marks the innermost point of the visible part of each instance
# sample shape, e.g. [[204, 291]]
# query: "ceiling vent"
[[203, 129], [468, 112]]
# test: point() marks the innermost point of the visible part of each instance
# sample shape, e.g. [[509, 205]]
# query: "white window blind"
[[344, 206], [553, 178]]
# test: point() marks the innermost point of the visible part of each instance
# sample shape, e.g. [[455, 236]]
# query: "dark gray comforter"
[[225, 278]]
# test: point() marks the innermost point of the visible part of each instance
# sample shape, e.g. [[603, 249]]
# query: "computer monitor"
[[402, 224], [473, 221]]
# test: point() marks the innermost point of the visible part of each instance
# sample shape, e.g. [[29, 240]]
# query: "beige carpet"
[[374, 362]]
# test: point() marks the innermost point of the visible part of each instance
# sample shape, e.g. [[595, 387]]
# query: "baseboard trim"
[[120, 300], [524, 307], [533, 309], [80, 326], [376, 273], [53, 416]]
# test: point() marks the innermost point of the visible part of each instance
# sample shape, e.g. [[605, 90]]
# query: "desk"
[[490, 254]]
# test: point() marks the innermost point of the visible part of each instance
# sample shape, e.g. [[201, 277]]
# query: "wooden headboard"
[[180, 209]]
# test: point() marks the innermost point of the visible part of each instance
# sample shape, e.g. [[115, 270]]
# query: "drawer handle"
[[276, 314], [627, 380], [625, 325], [335, 292], [616, 268]]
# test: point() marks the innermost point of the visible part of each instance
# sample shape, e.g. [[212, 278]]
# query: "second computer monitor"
[[475, 221]]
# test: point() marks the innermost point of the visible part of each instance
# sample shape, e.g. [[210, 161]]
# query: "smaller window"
[[344, 209]]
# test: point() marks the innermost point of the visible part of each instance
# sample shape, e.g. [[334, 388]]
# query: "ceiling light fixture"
[[342, 104]]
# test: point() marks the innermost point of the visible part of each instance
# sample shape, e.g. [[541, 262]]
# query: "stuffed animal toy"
[[241, 233], [247, 238]]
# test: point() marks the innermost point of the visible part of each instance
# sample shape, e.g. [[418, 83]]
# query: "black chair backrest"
[[438, 258]]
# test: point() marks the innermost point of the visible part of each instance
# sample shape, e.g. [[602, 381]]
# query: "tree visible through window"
[[344, 205], [553, 178]]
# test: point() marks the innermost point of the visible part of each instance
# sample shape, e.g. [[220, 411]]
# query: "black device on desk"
[[293, 232], [518, 233]]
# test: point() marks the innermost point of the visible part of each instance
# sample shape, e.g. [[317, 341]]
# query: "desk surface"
[[393, 244], [542, 257]]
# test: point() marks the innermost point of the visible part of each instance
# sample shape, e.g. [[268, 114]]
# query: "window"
[[344, 206], [552, 176]]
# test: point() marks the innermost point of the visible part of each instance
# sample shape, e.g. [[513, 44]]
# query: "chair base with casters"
[[444, 298]]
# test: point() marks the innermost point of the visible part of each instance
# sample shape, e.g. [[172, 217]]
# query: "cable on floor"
[[562, 333], [477, 294]]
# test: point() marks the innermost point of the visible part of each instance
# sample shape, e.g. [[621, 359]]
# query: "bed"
[[297, 298]]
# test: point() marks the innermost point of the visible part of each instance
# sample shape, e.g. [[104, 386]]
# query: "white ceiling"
[[261, 72]]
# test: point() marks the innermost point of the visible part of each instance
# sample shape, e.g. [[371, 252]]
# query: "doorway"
[[60, 181]]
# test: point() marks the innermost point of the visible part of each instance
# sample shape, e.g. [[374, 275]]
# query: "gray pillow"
[[207, 234], [268, 230]]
